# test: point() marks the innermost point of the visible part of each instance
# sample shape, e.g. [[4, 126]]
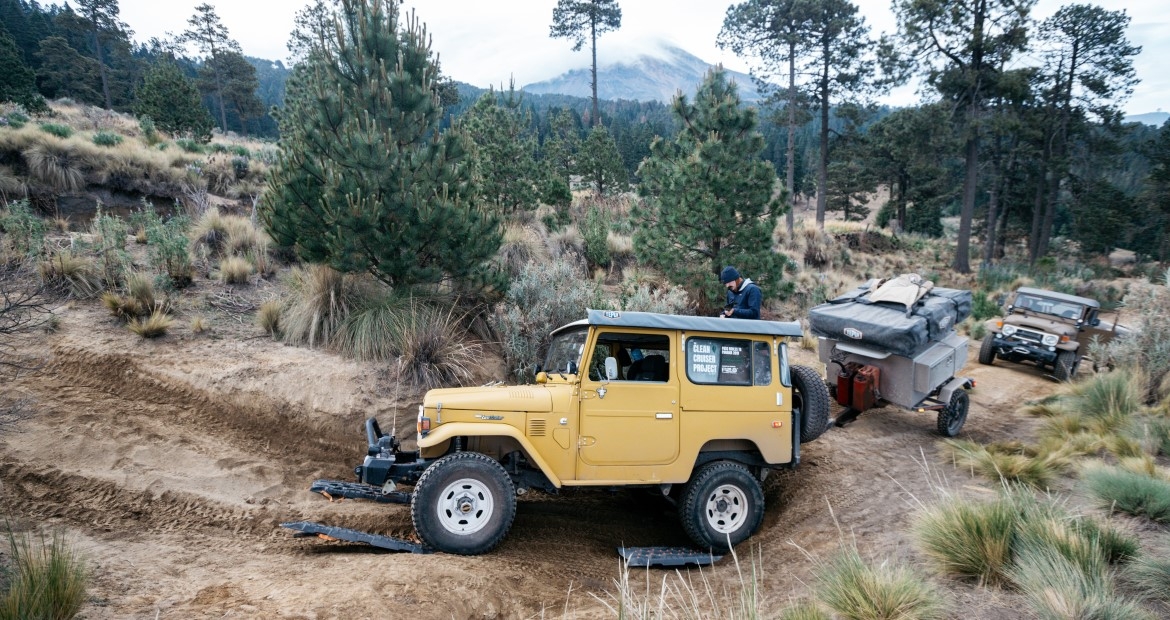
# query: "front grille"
[[1030, 336], [536, 428]]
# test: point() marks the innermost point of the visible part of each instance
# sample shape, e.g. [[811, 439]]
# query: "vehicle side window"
[[761, 363], [722, 361], [640, 357]]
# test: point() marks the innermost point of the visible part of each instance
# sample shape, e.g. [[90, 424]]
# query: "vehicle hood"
[[529, 398], [1039, 323]]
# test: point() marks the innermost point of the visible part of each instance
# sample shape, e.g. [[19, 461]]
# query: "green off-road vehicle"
[[1051, 329]]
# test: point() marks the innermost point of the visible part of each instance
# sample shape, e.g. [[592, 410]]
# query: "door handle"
[[663, 416]]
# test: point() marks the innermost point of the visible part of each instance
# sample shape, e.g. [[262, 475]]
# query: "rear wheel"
[[1065, 366], [722, 506], [811, 397], [464, 503], [952, 418], [987, 351]]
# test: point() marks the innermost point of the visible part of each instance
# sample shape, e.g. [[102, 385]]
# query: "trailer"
[[893, 342]]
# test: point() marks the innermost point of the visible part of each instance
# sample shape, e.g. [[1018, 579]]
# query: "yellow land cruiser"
[[700, 408]]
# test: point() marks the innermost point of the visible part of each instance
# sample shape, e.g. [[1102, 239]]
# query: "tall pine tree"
[[585, 20], [172, 101], [367, 181], [710, 200]]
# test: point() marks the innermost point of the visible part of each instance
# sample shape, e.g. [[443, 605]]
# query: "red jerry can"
[[865, 388], [845, 385]]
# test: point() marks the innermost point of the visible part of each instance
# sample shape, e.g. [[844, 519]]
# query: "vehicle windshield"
[[1043, 305], [564, 352]]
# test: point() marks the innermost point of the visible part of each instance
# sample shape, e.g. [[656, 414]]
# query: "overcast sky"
[[484, 43]]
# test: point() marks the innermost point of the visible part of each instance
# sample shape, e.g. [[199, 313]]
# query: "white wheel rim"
[[465, 506], [725, 509]]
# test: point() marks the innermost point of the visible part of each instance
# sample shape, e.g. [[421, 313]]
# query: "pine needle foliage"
[[710, 200], [368, 181]]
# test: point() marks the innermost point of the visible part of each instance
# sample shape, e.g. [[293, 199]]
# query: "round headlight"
[[1050, 340], [1009, 330]]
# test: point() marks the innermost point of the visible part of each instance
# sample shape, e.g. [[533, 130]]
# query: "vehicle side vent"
[[536, 428], [520, 393]]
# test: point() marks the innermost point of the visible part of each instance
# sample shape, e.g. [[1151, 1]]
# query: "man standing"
[[743, 296]]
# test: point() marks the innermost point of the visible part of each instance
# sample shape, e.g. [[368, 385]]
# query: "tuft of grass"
[[1150, 575], [152, 326], [47, 579], [970, 539], [189, 146], [804, 610], [268, 317], [234, 270], [76, 275], [1128, 492], [1112, 396], [369, 333], [59, 167], [858, 591], [1008, 463], [200, 325], [1058, 588], [434, 348], [321, 300]]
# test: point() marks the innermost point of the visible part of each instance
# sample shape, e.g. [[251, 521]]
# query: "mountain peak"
[[655, 74]]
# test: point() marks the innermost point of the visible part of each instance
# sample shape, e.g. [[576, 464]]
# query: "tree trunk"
[[790, 172], [1001, 238], [596, 117], [97, 46], [823, 164], [1037, 214], [962, 262]]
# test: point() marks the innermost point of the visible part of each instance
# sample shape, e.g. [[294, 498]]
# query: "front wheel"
[[987, 351], [952, 418], [464, 504], [811, 397], [722, 506], [1065, 366]]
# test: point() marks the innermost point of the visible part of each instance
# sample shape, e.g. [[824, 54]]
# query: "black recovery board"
[[666, 557], [308, 528], [334, 489]]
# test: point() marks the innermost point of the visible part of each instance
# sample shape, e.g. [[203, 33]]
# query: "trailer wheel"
[[1065, 366], [987, 351], [952, 418], [464, 504], [721, 506], [811, 396]]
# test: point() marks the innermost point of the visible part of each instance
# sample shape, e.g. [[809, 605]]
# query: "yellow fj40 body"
[[699, 408]]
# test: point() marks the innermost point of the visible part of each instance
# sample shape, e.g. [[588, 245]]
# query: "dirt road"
[[170, 464]]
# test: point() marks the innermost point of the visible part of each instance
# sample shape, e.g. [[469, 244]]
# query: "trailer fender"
[[451, 430], [949, 388]]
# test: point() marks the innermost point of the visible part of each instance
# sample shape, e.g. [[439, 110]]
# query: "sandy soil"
[[171, 463]]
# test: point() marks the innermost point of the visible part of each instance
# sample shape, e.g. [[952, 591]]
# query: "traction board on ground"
[[308, 528], [655, 557], [336, 489]]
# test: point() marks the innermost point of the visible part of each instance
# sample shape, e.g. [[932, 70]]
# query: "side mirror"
[[611, 368], [1011, 307], [1095, 321], [541, 377]]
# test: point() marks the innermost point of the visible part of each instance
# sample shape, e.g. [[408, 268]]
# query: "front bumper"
[[386, 462], [1011, 347]]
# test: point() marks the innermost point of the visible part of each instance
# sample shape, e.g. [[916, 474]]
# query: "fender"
[[451, 430]]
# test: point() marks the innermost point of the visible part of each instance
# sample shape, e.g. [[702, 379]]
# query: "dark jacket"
[[746, 302]]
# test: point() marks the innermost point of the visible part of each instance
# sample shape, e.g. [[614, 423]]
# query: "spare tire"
[[811, 397]]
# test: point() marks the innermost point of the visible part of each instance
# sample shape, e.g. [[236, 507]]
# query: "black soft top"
[[617, 318]]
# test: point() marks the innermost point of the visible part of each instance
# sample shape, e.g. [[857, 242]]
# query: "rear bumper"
[[1010, 347]]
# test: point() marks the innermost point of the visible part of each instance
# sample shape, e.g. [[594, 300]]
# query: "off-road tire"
[[721, 506], [464, 504], [1065, 366], [811, 396], [987, 351], [954, 415]]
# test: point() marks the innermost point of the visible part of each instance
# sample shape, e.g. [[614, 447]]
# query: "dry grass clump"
[[46, 579], [858, 591], [685, 595], [200, 325], [567, 245], [58, 167], [268, 317], [152, 326], [138, 302], [434, 348], [321, 299], [1009, 462], [522, 244], [234, 270], [71, 273]]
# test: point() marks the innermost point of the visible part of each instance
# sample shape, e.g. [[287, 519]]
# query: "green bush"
[[595, 232], [110, 235], [106, 138], [1129, 492], [14, 119], [240, 150], [189, 145], [645, 298], [216, 147], [169, 253], [1147, 347], [240, 166], [61, 131], [47, 579], [542, 298], [983, 307], [149, 130], [24, 232], [860, 592]]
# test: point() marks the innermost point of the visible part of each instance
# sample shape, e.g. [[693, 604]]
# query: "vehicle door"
[[632, 418]]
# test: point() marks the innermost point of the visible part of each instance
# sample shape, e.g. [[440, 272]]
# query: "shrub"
[[75, 275], [540, 299], [595, 234], [240, 150], [107, 138], [861, 592], [188, 145], [152, 326], [24, 232], [983, 307], [14, 119], [268, 317], [1128, 492], [47, 579], [240, 166], [149, 130], [110, 236], [234, 270], [55, 129], [1147, 347], [168, 249], [644, 298]]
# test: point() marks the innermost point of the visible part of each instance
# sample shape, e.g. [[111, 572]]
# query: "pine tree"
[[585, 20], [504, 151], [17, 81], [238, 85], [209, 34], [600, 163], [710, 200], [172, 101], [367, 181], [102, 17], [66, 73]]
